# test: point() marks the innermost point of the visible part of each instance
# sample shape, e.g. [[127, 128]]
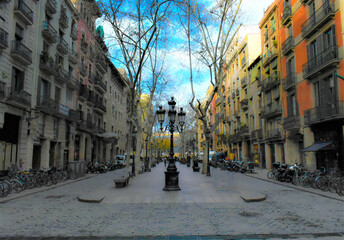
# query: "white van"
[[120, 159]]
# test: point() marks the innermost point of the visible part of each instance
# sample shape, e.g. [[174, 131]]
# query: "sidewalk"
[[261, 174], [28, 192]]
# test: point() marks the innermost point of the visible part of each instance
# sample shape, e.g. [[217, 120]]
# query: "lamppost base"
[[171, 181]]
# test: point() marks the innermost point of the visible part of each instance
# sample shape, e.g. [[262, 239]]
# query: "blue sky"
[[176, 63]]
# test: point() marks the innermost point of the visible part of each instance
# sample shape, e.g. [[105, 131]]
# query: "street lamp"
[[171, 175]]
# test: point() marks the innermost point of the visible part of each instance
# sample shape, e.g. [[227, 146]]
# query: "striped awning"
[[318, 146]]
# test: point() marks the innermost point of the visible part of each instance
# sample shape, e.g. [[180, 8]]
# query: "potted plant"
[[274, 43]]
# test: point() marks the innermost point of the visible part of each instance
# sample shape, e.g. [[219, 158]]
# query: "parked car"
[[120, 160]]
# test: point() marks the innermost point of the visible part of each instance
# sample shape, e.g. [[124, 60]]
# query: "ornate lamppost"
[[171, 175]]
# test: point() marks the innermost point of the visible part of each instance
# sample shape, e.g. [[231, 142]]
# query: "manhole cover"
[[249, 214], [55, 196]]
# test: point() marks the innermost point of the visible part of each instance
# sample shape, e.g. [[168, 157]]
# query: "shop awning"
[[318, 146]]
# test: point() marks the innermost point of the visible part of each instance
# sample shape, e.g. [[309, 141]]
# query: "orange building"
[[313, 93]]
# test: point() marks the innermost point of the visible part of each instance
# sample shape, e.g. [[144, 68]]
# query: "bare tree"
[[135, 25], [215, 29]]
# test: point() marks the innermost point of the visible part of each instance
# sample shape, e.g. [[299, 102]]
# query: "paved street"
[[204, 206]]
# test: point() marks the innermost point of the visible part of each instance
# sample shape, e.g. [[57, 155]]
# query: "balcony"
[[49, 33], [287, 14], [62, 46], [21, 53], [98, 84], [74, 33], [237, 91], [63, 19], [271, 81], [266, 35], [101, 64], [273, 135], [73, 56], [289, 82], [90, 98], [84, 45], [99, 106], [244, 132], [51, 6], [233, 95], [72, 82], [237, 114], [19, 97], [23, 12], [218, 101], [47, 64], [269, 56], [83, 92], [73, 115], [62, 75], [92, 54], [272, 110], [243, 81], [83, 69], [321, 63], [292, 122], [304, 1], [325, 113], [3, 39], [288, 45], [244, 104], [322, 16], [243, 61]]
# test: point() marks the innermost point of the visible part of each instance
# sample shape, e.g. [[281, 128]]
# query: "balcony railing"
[[83, 92], [90, 97], [274, 134], [218, 101], [318, 19], [321, 62], [243, 81], [74, 32], [272, 110], [243, 61], [287, 13], [288, 45], [324, 113], [63, 19], [47, 64], [19, 96], [237, 91], [62, 46], [233, 95], [50, 6], [73, 56], [84, 45], [99, 84], [244, 104], [99, 105], [244, 130], [21, 53], [49, 33], [22, 11], [74, 115], [72, 82], [3, 39], [292, 122], [62, 75], [83, 70], [271, 81], [289, 82], [101, 64], [269, 56]]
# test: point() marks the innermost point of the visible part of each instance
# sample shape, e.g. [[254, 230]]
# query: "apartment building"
[[17, 45], [53, 84], [312, 61], [235, 125], [115, 119]]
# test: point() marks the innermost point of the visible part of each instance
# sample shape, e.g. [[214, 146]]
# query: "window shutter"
[[334, 39], [320, 44]]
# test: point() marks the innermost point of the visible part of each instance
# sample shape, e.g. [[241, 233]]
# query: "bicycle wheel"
[[322, 183], [6, 188], [16, 186], [270, 174]]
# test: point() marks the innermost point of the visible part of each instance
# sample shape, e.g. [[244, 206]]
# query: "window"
[[18, 79], [44, 90], [316, 94], [19, 35], [57, 94], [113, 111]]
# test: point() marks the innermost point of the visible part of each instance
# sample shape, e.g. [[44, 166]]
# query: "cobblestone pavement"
[[204, 206]]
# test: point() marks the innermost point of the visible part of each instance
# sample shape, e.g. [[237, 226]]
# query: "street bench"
[[121, 178]]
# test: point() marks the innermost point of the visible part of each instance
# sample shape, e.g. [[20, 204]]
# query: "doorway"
[[36, 157]]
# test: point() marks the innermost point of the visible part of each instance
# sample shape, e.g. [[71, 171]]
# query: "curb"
[[38, 190], [297, 188]]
